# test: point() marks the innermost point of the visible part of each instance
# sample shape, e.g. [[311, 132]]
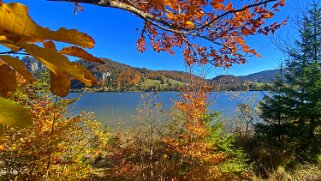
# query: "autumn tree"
[[58, 145], [127, 78], [221, 25], [198, 147]]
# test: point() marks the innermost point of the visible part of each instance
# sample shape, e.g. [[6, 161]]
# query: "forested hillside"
[[115, 76], [256, 81]]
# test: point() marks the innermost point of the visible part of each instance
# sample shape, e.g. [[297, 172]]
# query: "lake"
[[118, 109]]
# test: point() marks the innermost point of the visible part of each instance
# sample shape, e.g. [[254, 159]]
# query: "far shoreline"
[[73, 91]]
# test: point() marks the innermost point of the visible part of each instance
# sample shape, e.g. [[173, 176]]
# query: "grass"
[[150, 82]]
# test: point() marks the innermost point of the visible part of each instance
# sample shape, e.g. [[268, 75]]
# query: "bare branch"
[[12, 52]]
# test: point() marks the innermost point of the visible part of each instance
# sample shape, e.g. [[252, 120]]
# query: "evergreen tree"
[[292, 114]]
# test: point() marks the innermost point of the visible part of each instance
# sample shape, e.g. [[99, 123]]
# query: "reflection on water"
[[119, 109]]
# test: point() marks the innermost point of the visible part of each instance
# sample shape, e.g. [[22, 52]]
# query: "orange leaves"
[[240, 40], [171, 16], [191, 22], [199, 15], [192, 143], [187, 23], [280, 3], [160, 5], [141, 44], [229, 7], [194, 106], [172, 4], [217, 4]]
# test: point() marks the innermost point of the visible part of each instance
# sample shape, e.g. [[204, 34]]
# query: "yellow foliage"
[[11, 113], [79, 52], [18, 31], [56, 147], [17, 65], [55, 62], [16, 25]]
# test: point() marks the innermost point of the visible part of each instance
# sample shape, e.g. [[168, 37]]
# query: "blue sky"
[[115, 35]]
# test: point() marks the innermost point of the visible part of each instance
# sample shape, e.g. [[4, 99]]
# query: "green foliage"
[[292, 115], [239, 161], [14, 114]]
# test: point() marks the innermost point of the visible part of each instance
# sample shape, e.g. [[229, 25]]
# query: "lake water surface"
[[119, 109]]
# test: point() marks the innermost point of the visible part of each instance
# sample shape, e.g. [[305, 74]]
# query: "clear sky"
[[115, 34]]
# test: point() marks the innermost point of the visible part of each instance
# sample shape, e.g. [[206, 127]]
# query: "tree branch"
[[214, 26], [140, 13], [235, 11], [12, 52]]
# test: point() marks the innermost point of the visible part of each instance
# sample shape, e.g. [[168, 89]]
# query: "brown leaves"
[[60, 83], [17, 65], [8, 81]]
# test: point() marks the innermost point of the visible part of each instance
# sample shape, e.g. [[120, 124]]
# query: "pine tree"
[[292, 114]]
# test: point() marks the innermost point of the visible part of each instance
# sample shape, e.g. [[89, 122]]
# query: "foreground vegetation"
[[53, 144], [191, 145]]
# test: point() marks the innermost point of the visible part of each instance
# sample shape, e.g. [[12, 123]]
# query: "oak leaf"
[[8, 81], [14, 114], [55, 62], [16, 24], [17, 65], [60, 83], [80, 53]]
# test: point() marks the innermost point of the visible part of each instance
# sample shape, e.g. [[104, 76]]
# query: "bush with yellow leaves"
[[58, 146]]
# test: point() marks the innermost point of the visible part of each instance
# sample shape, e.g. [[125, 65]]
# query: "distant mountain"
[[32, 64], [114, 69], [256, 81], [266, 76]]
